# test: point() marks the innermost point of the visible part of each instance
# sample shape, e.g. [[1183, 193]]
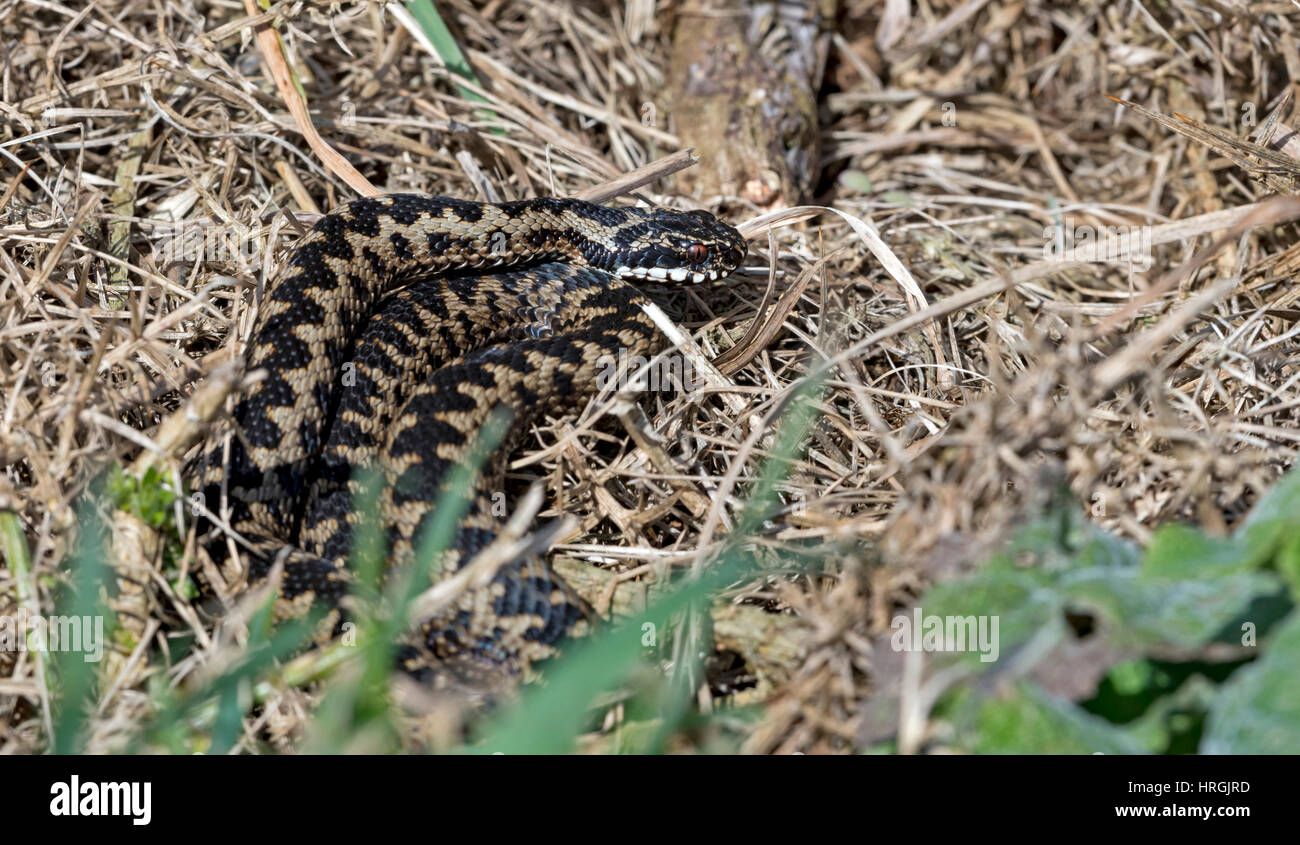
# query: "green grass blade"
[[359, 704], [435, 29], [74, 666], [549, 718]]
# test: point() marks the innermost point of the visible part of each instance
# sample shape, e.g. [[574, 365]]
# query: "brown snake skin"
[[387, 340]]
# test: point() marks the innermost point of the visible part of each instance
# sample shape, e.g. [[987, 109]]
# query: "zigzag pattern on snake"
[[395, 329]]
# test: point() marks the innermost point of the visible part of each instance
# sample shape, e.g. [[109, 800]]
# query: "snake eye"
[[697, 253]]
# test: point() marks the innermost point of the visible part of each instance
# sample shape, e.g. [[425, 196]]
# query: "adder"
[[395, 329]]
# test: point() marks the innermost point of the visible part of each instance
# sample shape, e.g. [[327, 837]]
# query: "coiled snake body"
[[392, 333]]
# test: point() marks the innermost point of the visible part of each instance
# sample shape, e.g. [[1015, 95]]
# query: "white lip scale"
[[677, 274]]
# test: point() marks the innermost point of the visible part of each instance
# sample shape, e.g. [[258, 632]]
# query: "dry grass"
[[1157, 392]]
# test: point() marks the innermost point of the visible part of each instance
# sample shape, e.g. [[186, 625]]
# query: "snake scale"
[[395, 329]]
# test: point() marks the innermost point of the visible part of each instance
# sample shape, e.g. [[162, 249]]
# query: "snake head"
[[673, 246]]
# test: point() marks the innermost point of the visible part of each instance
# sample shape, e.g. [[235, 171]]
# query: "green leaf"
[[1257, 710], [1173, 722], [1023, 602], [1029, 721], [1154, 612], [1182, 551], [1279, 505], [1064, 540], [856, 180], [1288, 564]]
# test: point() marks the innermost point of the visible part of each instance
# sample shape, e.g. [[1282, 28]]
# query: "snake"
[[394, 331]]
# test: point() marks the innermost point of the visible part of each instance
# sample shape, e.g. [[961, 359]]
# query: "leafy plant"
[[1194, 644]]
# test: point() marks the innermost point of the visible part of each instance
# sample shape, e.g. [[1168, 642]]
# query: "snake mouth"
[[665, 274]]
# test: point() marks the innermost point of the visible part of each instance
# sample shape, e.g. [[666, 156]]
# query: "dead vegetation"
[[987, 363]]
